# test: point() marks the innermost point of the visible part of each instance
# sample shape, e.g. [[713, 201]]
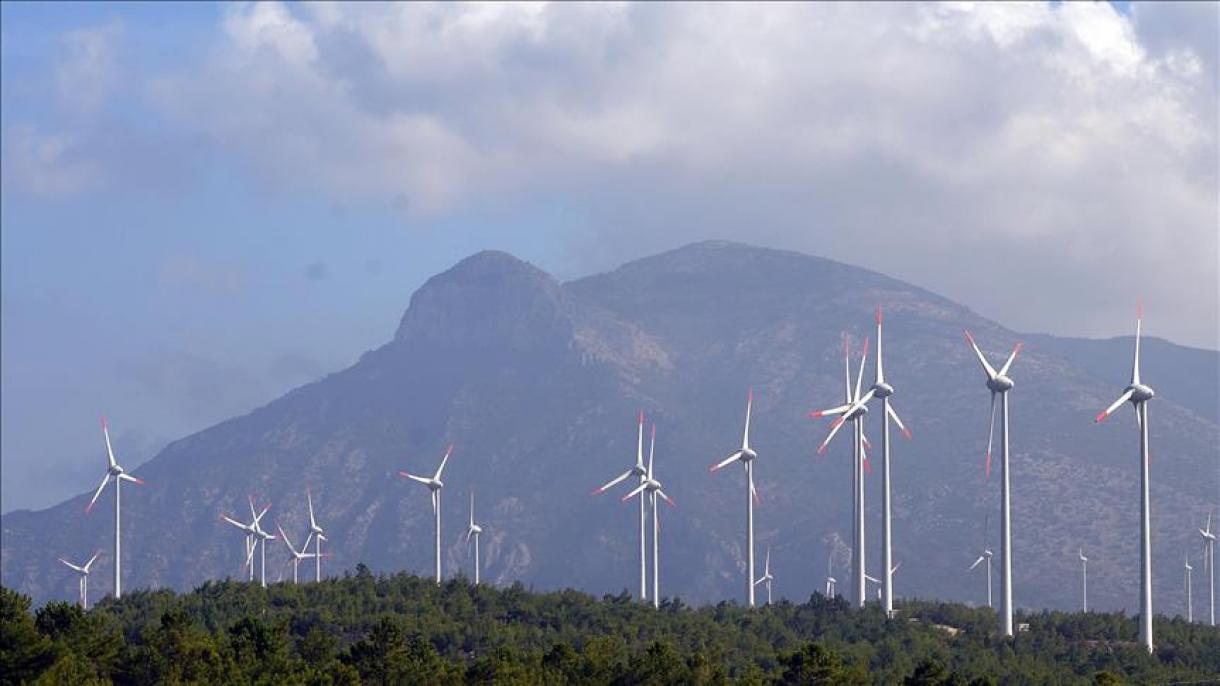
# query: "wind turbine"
[[262, 537], [830, 579], [474, 531], [1209, 566], [746, 455], [985, 556], [853, 410], [1084, 581], [883, 390], [113, 469], [435, 485], [82, 582], [1139, 394], [639, 470], [297, 555], [999, 383], [766, 578], [651, 488], [248, 530], [318, 536], [1190, 605], [873, 580]]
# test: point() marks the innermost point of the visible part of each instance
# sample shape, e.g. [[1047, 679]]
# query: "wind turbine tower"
[[883, 390], [1138, 393], [746, 455], [473, 532], [1209, 566], [115, 471], [999, 383], [435, 485], [766, 578], [1084, 581], [1190, 605], [318, 536]]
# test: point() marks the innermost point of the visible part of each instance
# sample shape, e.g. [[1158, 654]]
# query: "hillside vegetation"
[[402, 629]]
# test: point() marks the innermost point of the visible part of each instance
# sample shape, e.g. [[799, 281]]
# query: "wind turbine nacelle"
[[437, 484], [882, 390], [748, 454], [859, 412], [1140, 393], [1000, 384]]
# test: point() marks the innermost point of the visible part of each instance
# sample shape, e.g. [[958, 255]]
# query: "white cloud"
[[1052, 149], [87, 68]]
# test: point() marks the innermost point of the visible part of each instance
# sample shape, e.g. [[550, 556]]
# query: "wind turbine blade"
[[98, 492], [1008, 363], [70, 565], [1139, 321], [834, 429], [666, 498], [309, 499], [1105, 414], [92, 560], [127, 477], [439, 470], [234, 522], [652, 449], [612, 483], [990, 436], [725, 462], [285, 537], [634, 492], [745, 437], [412, 477], [977, 562], [754, 493], [472, 508], [880, 378], [860, 375], [832, 411], [639, 443], [987, 368], [434, 502], [894, 416], [846, 370], [106, 433], [868, 468]]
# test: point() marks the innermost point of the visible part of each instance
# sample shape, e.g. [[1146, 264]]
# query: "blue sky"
[[206, 205]]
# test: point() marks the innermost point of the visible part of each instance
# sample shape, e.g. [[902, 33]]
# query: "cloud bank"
[[1045, 164]]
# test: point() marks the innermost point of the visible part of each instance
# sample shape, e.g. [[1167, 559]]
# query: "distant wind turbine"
[[318, 536], [1084, 581], [853, 410], [640, 471], [1139, 394], [766, 578], [297, 555], [113, 469], [250, 534], [746, 455], [985, 557], [82, 581], [435, 485], [999, 383], [651, 488], [473, 532], [830, 579], [1190, 605], [1209, 566], [262, 537]]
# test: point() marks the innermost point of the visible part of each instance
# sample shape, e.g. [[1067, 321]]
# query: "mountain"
[[538, 384]]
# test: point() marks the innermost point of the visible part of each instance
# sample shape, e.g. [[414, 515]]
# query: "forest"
[[364, 628]]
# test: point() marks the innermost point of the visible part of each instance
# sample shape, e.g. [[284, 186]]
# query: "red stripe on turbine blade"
[[821, 448], [1139, 308], [1101, 417], [906, 432], [404, 474], [816, 414], [867, 467], [641, 416], [750, 395], [987, 467], [878, 314], [838, 422]]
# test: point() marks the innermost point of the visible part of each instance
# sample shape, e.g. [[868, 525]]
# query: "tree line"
[[364, 628]]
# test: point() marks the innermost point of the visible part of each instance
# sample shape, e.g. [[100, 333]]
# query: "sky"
[[203, 206]]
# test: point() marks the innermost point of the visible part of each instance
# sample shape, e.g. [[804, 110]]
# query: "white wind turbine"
[[114, 470], [766, 578], [1190, 605], [473, 532], [251, 534], [1139, 394], [435, 485], [883, 390], [82, 581], [999, 383], [262, 537], [638, 470], [853, 410], [985, 557], [747, 456], [651, 488], [318, 536], [297, 555], [1209, 566], [877, 582], [1084, 581], [830, 579]]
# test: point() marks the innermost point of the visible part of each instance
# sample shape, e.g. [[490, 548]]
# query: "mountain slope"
[[538, 384]]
